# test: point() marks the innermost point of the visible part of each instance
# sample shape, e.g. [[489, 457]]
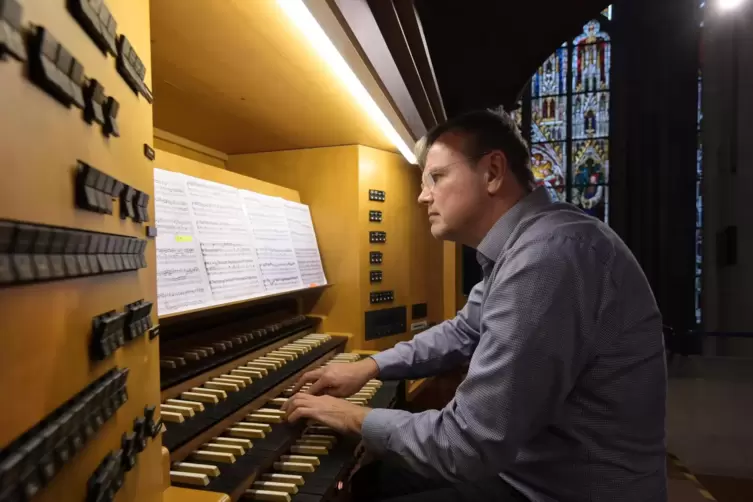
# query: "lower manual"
[[262, 457]]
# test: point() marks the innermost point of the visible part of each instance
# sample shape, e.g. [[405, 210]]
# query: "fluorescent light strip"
[[730, 4], [302, 17]]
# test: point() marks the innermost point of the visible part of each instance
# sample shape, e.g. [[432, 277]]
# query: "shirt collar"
[[496, 239]]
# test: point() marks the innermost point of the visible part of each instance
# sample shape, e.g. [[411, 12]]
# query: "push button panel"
[[375, 257], [381, 296], [377, 237], [377, 195]]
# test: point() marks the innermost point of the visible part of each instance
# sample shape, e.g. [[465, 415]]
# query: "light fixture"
[[302, 17], [729, 4]]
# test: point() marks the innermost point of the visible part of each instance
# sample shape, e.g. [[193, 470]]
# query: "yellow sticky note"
[[183, 238]]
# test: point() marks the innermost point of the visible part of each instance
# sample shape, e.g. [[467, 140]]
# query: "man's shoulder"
[[562, 228]]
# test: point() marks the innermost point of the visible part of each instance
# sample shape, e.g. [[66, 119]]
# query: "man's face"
[[454, 190]]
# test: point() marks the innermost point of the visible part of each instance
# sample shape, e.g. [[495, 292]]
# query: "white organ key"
[[169, 416], [266, 495], [240, 432], [221, 394], [189, 478], [195, 406], [248, 423], [246, 443], [276, 486], [283, 478], [306, 459], [293, 467], [214, 456], [183, 410], [222, 386], [209, 470], [226, 448]]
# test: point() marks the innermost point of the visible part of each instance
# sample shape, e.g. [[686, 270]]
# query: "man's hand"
[[341, 415], [339, 380]]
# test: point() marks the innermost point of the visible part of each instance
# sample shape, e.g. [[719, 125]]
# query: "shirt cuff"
[[388, 363], [377, 428]]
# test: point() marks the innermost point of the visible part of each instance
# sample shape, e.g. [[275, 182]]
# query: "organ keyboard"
[[224, 427]]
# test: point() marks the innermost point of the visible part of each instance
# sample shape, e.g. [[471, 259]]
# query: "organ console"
[[152, 331]]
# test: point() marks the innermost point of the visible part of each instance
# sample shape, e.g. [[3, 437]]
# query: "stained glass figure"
[[700, 96], [551, 78], [591, 34], [699, 157], [591, 65], [590, 162], [698, 251], [549, 118], [698, 205], [592, 199], [698, 289], [591, 115], [548, 166]]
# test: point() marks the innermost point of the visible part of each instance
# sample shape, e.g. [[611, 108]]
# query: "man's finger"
[[296, 400], [309, 376], [299, 413], [319, 387]]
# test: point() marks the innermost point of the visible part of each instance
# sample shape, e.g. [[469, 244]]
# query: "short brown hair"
[[485, 131]]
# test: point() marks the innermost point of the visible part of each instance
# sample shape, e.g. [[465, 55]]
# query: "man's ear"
[[496, 171]]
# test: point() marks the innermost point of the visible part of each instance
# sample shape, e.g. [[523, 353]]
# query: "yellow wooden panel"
[[179, 164], [189, 150], [241, 78], [44, 359], [326, 179], [380, 170], [176, 494], [425, 256], [452, 286]]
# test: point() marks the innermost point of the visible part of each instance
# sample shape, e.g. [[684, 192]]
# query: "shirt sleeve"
[[534, 330], [440, 348]]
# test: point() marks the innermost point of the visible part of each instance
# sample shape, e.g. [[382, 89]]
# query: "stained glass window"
[[551, 78], [569, 104], [699, 194]]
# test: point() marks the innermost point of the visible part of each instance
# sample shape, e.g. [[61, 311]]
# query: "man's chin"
[[439, 231]]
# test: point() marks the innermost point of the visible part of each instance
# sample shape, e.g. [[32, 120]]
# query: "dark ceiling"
[[485, 51]]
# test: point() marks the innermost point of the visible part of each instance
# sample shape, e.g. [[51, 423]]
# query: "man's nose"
[[425, 196]]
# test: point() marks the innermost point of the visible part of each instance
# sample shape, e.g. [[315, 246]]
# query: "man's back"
[[609, 433]]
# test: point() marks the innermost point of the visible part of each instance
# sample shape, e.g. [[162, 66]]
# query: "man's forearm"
[[431, 352], [442, 347]]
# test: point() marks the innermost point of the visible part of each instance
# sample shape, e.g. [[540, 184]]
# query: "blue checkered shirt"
[[565, 392]]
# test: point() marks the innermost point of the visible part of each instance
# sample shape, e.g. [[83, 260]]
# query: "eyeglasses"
[[429, 178]]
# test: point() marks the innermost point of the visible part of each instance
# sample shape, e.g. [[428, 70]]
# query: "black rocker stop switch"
[[111, 109], [94, 99], [11, 39]]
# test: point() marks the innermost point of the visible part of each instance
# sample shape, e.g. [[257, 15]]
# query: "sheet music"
[[218, 244], [304, 243], [271, 237], [181, 280], [225, 239]]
